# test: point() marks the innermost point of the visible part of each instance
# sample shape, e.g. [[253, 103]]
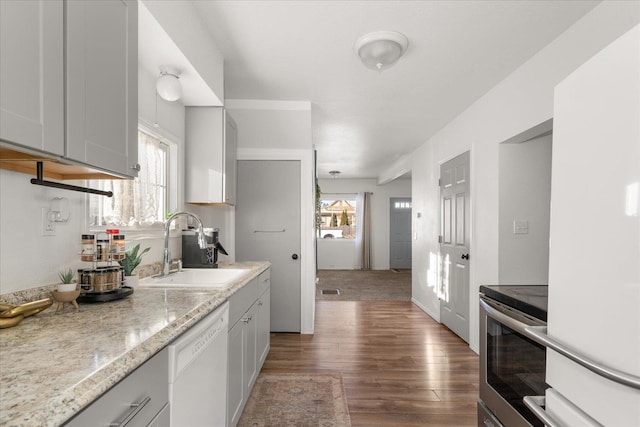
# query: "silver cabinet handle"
[[135, 408], [136, 167], [536, 403]]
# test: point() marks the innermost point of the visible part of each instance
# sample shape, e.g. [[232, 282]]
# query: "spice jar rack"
[[104, 281]]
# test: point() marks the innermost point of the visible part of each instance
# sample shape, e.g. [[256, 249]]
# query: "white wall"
[[336, 254], [525, 195], [521, 101], [379, 219]]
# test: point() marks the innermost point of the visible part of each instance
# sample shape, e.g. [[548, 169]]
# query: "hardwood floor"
[[399, 366]]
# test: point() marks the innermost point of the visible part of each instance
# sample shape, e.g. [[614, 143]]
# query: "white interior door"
[[454, 245], [268, 229], [400, 232]]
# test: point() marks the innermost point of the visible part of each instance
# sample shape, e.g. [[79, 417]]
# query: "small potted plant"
[[132, 258], [66, 277]]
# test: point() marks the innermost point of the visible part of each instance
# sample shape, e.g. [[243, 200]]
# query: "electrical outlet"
[[46, 225]]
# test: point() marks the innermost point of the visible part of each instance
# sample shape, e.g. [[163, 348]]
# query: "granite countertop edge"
[[61, 405]]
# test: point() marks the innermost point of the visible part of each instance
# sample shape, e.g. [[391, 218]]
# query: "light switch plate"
[[520, 227], [47, 226]]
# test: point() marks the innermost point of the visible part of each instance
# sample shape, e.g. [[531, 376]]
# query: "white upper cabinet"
[[211, 148], [102, 84], [31, 71]]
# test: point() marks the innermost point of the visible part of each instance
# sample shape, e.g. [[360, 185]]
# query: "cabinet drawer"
[[149, 383], [264, 281], [241, 301]]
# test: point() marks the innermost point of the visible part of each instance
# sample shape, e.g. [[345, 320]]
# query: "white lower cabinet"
[[141, 399], [248, 342]]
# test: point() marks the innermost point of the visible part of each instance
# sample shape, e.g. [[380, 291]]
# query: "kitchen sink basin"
[[196, 278]]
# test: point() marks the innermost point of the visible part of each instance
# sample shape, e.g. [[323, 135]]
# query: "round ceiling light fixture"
[[334, 173], [381, 49], [168, 84]]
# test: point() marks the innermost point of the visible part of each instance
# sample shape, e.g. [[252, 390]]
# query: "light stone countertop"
[[52, 365]]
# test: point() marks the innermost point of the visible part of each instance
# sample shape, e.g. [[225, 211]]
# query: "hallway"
[[399, 366]]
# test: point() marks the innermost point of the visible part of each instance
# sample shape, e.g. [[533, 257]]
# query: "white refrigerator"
[[594, 265]]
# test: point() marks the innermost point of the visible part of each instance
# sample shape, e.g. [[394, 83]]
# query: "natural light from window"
[[139, 202], [338, 216]]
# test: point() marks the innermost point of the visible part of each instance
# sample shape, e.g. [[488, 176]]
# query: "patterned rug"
[[299, 400], [365, 285]]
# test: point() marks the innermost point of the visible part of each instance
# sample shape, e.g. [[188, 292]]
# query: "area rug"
[[365, 285], [297, 400]]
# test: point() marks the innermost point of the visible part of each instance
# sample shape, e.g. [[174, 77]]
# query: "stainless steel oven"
[[512, 366]]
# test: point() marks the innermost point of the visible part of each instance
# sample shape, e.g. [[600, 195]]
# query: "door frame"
[[307, 224]]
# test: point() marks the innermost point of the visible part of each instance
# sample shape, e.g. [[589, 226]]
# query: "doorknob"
[[294, 256], [465, 256]]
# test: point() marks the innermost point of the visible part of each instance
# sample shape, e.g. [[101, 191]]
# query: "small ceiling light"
[[168, 84], [381, 49], [334, 173]]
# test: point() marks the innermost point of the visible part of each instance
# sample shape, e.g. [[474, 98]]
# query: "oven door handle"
[[496, 314]]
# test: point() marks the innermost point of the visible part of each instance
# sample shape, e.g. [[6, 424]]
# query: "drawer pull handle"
[[135, 408]]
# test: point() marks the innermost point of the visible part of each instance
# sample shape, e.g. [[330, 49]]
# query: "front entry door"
[[454, 245], [400, 233], [268, 229]]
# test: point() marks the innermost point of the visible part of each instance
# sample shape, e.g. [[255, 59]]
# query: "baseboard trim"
[[426, 310]]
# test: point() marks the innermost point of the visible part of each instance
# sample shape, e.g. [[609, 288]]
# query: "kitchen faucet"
[[202, 241]]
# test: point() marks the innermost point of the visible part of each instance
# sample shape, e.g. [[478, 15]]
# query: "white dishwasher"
[[198, 373]]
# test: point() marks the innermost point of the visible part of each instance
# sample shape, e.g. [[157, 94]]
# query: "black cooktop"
[[530, 299]]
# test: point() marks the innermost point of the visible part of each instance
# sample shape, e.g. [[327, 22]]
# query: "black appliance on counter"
[[512, 365], [194, 257]]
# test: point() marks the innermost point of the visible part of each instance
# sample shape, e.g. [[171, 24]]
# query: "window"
[[138, 202], [338, 216], [402, 205]]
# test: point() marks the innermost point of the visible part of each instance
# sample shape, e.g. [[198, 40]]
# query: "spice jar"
[[102, 250], [117, 246], [114, 277], [87, 253]]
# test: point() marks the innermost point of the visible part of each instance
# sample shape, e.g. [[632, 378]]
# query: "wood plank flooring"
[[399, 366]]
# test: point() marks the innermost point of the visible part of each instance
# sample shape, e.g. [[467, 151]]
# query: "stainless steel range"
[[512, 366]]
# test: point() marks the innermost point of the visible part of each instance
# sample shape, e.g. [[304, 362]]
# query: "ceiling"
[[364, 120]]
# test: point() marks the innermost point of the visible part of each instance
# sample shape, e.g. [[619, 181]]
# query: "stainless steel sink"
[[218, 278]]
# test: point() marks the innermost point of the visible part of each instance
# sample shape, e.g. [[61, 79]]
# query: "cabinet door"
[[251, 350], [102, 84], [31, 74], [230, 157], [235, 378], [263, 338]]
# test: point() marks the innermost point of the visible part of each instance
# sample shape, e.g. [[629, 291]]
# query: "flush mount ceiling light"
[[334, 173], [168, 84], [381, 49]]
